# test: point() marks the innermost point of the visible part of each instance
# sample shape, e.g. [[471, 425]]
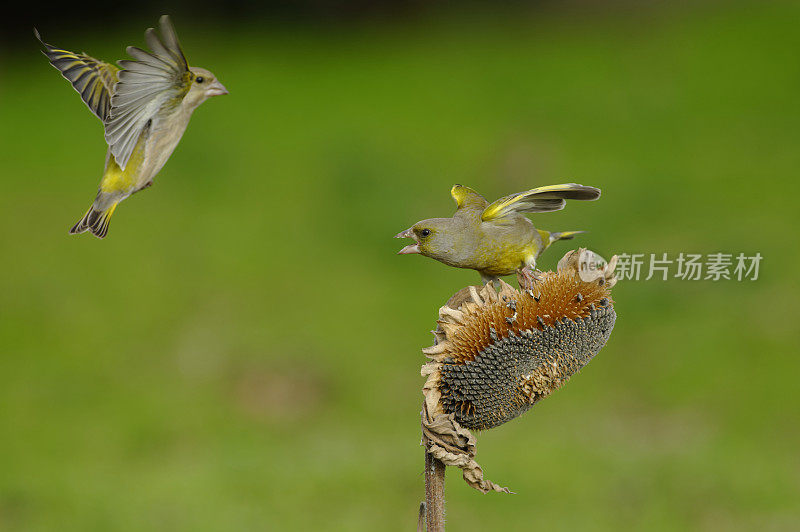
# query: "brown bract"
[[497, 353]]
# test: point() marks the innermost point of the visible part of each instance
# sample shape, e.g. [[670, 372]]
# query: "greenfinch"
[[495, 239], [145, 107]]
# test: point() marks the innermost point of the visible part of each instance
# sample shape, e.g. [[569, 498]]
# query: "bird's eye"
[[424, 233], [199, 79]]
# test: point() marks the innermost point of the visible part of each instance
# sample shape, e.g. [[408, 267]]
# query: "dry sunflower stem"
[[497, 353]]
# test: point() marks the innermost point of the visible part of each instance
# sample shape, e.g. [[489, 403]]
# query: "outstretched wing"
[[93, 79], [150, 83], [542, 199]]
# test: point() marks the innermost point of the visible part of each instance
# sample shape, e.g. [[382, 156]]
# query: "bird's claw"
[[527, 277]]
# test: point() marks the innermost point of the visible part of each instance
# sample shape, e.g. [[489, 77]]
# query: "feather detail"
[[542, 199], [93, 79], [466, 197], [149, 83]]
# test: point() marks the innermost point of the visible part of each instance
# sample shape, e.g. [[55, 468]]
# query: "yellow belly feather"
[[115, 179], [505, 260]]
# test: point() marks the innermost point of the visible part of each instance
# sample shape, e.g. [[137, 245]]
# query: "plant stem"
[[434, 493]]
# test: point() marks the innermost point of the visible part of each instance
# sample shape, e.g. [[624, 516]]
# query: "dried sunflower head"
[[497, 353]]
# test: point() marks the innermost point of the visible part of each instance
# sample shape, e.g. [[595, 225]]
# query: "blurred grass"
[[242, 352]]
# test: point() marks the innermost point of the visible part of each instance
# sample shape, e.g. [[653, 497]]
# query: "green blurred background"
[[243, 351]]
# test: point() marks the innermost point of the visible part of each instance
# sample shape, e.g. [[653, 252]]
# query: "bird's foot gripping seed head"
[[411, 248], [496, 354], [527, 277], [589, 265]]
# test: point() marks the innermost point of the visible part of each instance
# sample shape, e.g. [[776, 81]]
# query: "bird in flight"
[[145, 107]]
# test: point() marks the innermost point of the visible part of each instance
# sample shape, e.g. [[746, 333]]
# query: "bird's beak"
[[216, 89], [412, 248]]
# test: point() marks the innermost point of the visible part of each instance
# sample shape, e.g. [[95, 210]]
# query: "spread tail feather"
[[95, 221]]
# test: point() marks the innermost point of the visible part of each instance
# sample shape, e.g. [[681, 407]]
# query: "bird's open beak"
[[216, 89], [412, 248]]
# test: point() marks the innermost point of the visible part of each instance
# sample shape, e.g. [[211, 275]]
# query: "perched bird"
[[145, 107], [496, 239]]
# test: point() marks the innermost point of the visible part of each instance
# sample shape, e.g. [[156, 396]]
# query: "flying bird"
[[145, 107], [495, 239]]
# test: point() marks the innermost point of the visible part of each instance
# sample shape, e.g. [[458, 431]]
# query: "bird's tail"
[[549, 237], [95, 220], [564, 235]]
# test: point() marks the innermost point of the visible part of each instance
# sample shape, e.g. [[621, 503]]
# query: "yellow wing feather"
[[542, 199], [93, 79], [465, 196]]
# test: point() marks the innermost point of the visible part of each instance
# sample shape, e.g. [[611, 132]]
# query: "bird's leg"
[[527, 276], [146, 185], [488, 278]]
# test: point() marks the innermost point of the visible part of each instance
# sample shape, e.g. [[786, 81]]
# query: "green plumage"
[[494, 239]]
